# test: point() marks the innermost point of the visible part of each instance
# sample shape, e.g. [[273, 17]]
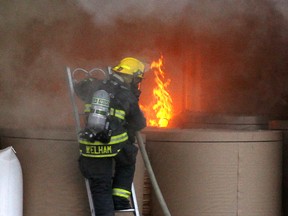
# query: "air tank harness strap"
[[98, 149], [117, 113], [114, 140], [113, 112]]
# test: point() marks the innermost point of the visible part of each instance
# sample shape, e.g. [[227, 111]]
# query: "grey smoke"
[[198, 13], [240, 47]]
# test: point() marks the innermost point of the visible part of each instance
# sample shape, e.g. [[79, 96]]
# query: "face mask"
[[135, 87]]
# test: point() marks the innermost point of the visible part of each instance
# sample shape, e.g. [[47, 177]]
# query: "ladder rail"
[[78, 128], [73, 101], [134, 201], [134, 208]]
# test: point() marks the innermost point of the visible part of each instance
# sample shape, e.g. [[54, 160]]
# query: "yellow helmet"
[[130, 66]]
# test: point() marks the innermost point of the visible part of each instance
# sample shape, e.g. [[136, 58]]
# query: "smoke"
[[106, 13], [233, 53], [197, 14]]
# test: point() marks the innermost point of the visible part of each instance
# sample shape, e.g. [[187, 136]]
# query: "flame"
[[161, 111]]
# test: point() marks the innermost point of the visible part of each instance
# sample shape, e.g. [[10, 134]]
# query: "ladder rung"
[[125, 210]]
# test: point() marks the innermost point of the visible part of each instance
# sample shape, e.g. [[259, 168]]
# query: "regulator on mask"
[[98, 125]]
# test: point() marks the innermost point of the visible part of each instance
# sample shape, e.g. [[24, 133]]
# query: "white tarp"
[[11, 184]]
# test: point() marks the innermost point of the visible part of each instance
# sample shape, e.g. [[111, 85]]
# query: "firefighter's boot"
[[121, 203]]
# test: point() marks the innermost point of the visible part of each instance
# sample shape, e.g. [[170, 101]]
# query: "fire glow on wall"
[[160, 111]]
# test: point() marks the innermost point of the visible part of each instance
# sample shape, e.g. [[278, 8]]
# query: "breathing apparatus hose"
[[151, 175]]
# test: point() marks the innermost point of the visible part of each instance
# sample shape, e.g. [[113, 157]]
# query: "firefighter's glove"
[[87, 134]]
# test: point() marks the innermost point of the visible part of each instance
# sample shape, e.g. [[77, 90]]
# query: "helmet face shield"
[[139, 74]]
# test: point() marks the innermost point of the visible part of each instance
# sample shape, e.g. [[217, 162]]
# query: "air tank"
[[99, 110]]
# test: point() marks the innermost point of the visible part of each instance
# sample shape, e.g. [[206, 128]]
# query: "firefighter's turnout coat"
[[125, 116], [95, 161]]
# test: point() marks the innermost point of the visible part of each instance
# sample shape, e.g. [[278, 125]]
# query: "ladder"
[[71, 82]]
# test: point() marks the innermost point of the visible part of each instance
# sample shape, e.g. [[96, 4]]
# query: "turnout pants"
[[100, 172]]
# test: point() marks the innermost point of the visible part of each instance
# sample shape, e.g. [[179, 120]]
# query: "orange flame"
[[161, 111]]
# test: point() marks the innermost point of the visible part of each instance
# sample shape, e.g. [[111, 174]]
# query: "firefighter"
[[108, 155]]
